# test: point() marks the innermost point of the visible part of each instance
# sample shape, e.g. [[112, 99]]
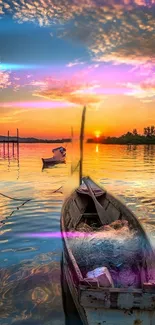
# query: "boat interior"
[[81, 215], [81, 208]]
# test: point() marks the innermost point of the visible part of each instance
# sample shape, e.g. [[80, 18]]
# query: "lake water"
[[30, 288]]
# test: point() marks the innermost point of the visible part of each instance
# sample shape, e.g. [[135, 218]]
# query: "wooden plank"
[[81, 202], [114, 201], [78, 213], [67, 219], [90, 215], [113, 212], [89, 282], [86, 215], [149, 287], [95, 299], [125, 300], [70, 225], [75, 212], [103, 216], [74, 293], [97, 190], [101, 316], [104, 202]]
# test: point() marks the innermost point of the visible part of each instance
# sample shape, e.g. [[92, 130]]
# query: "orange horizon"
[[45, 136], [114, 117]]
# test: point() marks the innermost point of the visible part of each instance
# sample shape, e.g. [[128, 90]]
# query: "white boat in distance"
[[59, 157]]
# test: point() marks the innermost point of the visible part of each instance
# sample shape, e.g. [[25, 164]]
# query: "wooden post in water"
[[17, 136], [13, 144], [8, 142], [81, 144], [18, 143], [4, 147]]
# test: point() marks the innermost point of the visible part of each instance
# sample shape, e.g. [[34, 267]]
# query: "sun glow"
[[97, 134]]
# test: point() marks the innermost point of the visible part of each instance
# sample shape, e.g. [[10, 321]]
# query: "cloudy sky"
[[58, 55]]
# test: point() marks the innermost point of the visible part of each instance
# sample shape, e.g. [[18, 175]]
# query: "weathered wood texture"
[[98, 316], [115, 299], [97, 305]]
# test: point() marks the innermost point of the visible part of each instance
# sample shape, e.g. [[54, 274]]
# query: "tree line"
[[149, 131], [148, 137]]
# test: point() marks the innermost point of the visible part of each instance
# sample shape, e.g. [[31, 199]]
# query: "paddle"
[[100, 210]]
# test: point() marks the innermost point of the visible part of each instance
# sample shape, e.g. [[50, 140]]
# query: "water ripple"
[[30, 267]]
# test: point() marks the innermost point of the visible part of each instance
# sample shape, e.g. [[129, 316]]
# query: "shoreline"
[[61, 142], [122, 144]]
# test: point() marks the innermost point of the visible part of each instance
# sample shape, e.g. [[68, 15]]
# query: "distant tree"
[[135, 132], [145, 131], [152, 130], [128, 134], [149, 131]]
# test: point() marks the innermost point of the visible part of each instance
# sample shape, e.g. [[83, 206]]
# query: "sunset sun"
[[97, 134]]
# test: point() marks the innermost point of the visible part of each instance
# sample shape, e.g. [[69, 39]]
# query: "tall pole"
[[4, 147], [13, 143], [72, 149], [18, 143], [81, 143], [8, 142], [17, 136]]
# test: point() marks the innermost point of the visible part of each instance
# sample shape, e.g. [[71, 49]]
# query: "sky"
[[58, 55]]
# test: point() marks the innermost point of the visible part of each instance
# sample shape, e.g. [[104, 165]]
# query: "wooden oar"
[[100, 210]]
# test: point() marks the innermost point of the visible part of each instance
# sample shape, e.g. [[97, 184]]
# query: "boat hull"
[[73, 290], [98, 305], [52, 162], [92, 312], [70, 311]]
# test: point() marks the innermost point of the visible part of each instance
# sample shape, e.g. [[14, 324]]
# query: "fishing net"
[[114, 246]]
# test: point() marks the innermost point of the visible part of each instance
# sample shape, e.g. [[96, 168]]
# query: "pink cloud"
[[74, 91], [149, 84], [4, 79], [35, 105], [144, 90]]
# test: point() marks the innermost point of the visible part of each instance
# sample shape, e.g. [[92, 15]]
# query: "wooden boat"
[[52, 161], [59, 157], [97, 303]]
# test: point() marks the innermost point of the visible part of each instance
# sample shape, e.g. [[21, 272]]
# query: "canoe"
[[59, 157], [105, 302], [52, 161]]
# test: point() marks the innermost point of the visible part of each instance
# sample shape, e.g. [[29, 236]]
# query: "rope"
[[57, 190], [24, 202], [12, 198]]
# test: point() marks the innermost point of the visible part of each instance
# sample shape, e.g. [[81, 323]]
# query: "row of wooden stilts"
[[9, 146]]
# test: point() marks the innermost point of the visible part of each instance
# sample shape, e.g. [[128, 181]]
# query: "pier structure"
[[8, 141]]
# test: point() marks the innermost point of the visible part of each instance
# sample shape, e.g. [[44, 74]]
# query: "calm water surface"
[[29, 259]]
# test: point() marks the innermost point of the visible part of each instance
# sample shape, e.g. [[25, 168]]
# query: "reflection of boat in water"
[[107, 286], [59, 157]]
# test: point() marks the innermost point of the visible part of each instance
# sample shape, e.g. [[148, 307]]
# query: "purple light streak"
[[56, 234]]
